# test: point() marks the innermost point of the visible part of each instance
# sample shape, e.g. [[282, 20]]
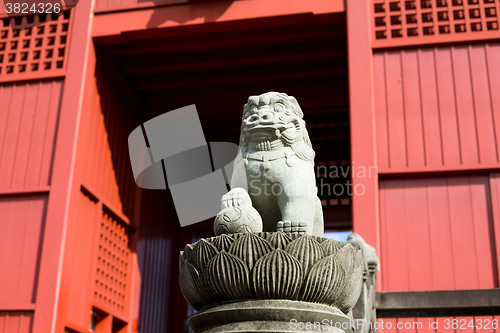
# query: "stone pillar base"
[[269, 316]]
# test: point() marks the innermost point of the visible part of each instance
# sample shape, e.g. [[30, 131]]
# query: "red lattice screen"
[[411, 22], [112, 265], [32, 51]]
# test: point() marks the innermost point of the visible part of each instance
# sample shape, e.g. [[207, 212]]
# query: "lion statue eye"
[[278, 107]]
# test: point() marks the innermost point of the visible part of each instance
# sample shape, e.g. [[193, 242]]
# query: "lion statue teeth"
[[274, 169]]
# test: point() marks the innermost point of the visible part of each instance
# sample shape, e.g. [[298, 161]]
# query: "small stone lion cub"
[[274, 169]]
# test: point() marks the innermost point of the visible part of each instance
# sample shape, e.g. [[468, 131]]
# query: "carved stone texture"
[[278, 316], [352, 261], [227, 277], [275, 167], [241, 217], [369, 252], [307, 250], [277, 275], [250, 248], [331, 246], [203, 251], [364, 309], [223, 243], [279, 240], [324, 282], [193, 286], [271, 266]]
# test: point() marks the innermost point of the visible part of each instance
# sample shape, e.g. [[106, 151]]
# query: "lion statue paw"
[[292, 227], [235, 197]]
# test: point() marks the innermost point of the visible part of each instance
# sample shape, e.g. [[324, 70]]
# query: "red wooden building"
[[407, 90]]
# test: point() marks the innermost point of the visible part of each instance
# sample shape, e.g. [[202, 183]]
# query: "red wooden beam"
[[156, 66], [362, 120], [158, 82], [80, 67], [116, 23], [230, 39]]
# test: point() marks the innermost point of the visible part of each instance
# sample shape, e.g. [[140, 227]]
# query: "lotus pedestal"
[[271, 282]]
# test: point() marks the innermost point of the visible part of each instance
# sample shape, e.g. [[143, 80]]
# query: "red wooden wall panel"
[[492, 55], [396, 120], [103, 159], [495, 205], [431, 131], [28, 118], [448, 135], [437, 107], [437, 234], [103, 171], [412, 109], [16, 321], [80, 260], [22, 225], [94, 156]]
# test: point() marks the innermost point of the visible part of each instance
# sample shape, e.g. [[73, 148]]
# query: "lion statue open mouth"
[[274, 170]]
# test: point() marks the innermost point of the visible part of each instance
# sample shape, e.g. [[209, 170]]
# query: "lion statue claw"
[[274, 168]]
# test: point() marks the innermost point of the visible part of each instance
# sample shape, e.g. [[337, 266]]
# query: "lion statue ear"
[[296, 106]]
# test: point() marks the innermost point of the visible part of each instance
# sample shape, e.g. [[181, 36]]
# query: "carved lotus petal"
[[324, 282], [192, 286], [350, 295], [277, 275], [203, 252], [307, 250], [279, 240], [189, 253], [227, 277], [182, 260], [250, 248], [350, 258], [223, 242], [331, 246]]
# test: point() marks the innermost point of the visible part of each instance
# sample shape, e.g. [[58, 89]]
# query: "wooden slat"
[[447, 111], [495, 208], [380, 94], [481, 223], [465, 271], [17, 306], [395, 110], [492, 53], [417, 241], [430, 108], [396, 260], [441, 264], [465, 105], [488, 151], [412, 108]]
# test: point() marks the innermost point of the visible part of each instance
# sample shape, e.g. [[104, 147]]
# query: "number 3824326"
[[476, 323], [36, 8]]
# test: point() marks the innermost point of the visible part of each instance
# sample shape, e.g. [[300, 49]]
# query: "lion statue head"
[[273, 118]]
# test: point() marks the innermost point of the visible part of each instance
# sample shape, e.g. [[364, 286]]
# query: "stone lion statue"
[[274, 169]]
